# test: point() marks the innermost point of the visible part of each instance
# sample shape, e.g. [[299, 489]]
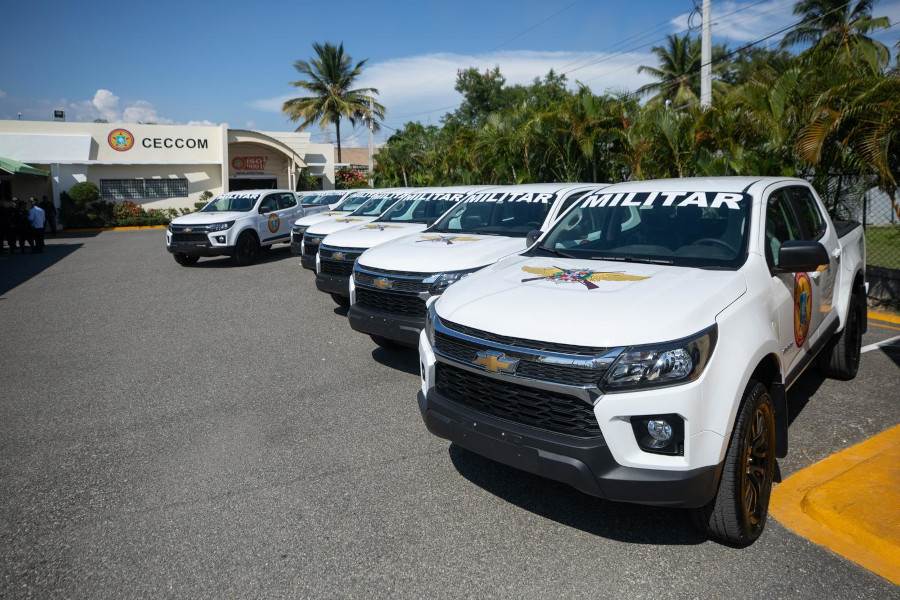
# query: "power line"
[[536, 25]]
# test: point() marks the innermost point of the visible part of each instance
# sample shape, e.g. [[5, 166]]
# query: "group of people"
[[25, 221]]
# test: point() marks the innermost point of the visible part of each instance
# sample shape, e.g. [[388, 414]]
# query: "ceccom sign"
[[122, 140]]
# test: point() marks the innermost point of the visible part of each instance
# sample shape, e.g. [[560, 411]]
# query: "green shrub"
[[84, 193]]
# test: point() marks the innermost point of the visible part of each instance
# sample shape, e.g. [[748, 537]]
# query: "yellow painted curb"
[[123, 228], [849, 503], [881, 315]]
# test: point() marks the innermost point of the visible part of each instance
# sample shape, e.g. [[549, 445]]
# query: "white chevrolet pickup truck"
[[374, 203], [343, 203], [392, 282], [413, 212], [641, 350], [236, 224]]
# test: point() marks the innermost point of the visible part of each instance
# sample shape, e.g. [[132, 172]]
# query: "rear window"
[[511, 214], [701, 229], [375, 205], [319, 199]]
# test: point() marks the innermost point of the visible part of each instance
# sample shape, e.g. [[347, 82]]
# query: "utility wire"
[[536, 25]]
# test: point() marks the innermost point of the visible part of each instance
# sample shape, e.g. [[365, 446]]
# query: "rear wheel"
[[342, 301], [185, 260], [840, 358], [737, 514], [246, 250], [386, 343]]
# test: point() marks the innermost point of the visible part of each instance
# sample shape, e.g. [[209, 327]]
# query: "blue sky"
[[231, 61]]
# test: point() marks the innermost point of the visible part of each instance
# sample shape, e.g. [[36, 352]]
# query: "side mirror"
[[532, 237], [264, 210], [797, 256]]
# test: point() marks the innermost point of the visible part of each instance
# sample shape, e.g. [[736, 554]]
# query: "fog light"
[[220, 239], [659, 434]]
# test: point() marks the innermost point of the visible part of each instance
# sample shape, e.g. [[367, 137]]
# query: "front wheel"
[[185, 260], [246, 250], [737, 514], [342, 301]]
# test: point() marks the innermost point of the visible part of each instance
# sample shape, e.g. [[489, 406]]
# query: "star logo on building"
[[586, 277], [120, 140], [447, 239]]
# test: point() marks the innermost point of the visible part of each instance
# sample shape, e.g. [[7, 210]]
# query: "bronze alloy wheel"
[[758, 460]]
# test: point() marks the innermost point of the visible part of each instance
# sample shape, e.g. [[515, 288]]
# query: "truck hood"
[[337, 224], [372, 234], [440, 252], [319, 217], [200, 218], [590, 303]]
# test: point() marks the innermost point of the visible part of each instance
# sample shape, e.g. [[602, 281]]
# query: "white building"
[[161, 166]]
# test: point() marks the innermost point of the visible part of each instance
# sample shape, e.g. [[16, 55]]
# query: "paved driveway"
[[220, 432]]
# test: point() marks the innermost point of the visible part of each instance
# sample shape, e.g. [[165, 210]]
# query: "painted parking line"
[[881, 344], [881, 315], [848, 503]]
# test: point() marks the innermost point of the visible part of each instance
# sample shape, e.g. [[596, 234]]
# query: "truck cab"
[[340, 204], [372, 203], [412, 213], [392, 281], [237, 224], [641, 350]]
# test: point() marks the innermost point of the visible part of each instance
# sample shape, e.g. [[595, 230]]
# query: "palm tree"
[[678, 73], [329, 78], [841, 25]]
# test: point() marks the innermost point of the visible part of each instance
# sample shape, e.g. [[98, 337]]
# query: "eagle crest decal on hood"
[[447, 239], [347, 220], [586, 277], [379, 226]]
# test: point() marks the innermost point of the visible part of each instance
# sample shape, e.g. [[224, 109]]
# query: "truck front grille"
[[336, 267], [311, 245], [550, 411], [404, 304], [189, 237], [406, 283]]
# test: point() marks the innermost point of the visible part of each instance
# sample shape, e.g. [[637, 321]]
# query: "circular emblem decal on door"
[[120, 140], [274, 222], [802, 307]]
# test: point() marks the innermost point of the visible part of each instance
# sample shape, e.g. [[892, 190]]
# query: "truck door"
[[268, 223], [288, 211], [788, 304], [813, 228]]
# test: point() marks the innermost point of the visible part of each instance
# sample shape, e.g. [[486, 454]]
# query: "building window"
[[143, 189]]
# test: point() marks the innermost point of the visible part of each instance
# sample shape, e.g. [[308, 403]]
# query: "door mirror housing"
[[801, 256], [264, 210], [532, 237]]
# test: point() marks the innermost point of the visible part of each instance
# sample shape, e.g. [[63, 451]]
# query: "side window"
[[269, 204], [812, 224], [781, 225], [287, 201]]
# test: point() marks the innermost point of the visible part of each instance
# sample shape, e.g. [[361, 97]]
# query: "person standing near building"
[[49, 214], [6, 226], [21, 228], [37, 219]]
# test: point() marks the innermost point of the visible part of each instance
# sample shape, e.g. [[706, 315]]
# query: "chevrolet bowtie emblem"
[[187, 230], [495, 362], [382, 284], [338, 255]]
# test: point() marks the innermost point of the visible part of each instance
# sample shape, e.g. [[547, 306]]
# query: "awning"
[[14, 167]]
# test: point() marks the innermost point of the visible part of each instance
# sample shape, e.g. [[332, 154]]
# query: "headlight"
[[670, 363], [430, 319], [220, 226], [441, 281]]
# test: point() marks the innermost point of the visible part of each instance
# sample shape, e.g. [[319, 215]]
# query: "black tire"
[[342, 301], [737, 514], [185, 260], [386, 343], [840, 358], [246, 250]]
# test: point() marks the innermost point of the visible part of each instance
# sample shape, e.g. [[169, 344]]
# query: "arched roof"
[[254, 137]]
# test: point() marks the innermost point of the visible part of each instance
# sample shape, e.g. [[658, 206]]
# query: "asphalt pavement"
[[215, 431]]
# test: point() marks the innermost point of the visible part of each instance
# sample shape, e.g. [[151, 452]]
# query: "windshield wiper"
[[636, 259], [555, 252]]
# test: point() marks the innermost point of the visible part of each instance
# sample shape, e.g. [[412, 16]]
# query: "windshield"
[[319, 199], [375, 206], [237, 201], [512, 214], [353, 201], [697, 229], [423, 208]]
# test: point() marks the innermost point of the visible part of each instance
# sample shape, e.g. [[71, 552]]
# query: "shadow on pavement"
[[567, 506], [802, 391], [16, 269], [402, 359], [224, 262]]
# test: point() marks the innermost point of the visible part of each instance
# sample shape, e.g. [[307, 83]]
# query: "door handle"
[[836, 253]]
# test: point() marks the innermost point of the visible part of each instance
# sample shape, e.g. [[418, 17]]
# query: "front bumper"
[[199, 249], [583, 463], [308, 261], [333, 284], [402, 329]]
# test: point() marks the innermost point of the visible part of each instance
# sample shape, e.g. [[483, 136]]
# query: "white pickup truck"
[[641, 350], [391, 282], [341, 203], [370, 204], [236, 224], [413, 212]]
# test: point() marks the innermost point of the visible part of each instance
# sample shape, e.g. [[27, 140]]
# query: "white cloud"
[[2, 94], [201, 122], [415, 87], [744, 21], [106, 104], [251, 124]]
